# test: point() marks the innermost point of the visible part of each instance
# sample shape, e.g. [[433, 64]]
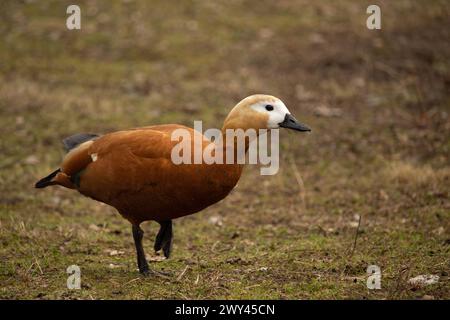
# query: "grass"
[[384, 158]]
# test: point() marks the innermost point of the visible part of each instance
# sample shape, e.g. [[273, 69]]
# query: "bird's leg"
[[164, 238], [138, 234]]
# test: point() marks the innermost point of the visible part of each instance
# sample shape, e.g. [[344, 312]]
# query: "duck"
[[132, 170]]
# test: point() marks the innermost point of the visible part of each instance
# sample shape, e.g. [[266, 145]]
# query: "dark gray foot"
[[164, 238], [155, 273]]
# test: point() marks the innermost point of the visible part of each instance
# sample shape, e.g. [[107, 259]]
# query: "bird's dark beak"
[[291, 123]]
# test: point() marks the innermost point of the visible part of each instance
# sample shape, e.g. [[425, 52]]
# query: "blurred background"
[[369, 185]]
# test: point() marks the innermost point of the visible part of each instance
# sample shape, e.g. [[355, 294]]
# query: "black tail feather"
[[47, 181]]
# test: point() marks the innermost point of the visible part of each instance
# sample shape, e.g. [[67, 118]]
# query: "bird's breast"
[[168, 192]]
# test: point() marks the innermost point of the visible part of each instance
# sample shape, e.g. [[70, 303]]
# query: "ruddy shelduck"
[[132, 170]]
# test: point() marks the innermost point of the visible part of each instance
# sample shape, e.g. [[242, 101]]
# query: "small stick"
[[252, 286], [39, 266], [196, 280], [214, 245], [182, 273], [298, 178], [133, 280], [356, 237]]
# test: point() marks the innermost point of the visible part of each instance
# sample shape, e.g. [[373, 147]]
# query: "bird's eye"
[[269, 107]]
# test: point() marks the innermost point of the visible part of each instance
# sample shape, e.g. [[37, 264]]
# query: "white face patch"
[[94, 157], [276, 115]]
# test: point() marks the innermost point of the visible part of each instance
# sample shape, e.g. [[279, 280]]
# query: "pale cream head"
[[261, 111]]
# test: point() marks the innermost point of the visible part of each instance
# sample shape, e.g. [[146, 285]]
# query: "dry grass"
[[416, 176]]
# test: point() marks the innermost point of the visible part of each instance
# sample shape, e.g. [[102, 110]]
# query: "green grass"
[[135, 63]]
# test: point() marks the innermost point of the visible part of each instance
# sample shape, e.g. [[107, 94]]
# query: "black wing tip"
[[47, 181]]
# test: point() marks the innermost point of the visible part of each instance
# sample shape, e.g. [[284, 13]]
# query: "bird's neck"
[[236, 140]]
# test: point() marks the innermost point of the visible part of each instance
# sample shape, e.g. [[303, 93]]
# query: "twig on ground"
[[356, 237], [298, 178], [196, 280], [133, 280], [182, 273]]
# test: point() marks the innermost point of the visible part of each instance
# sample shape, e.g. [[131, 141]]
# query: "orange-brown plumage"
[[132, 170], [134, 173]]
